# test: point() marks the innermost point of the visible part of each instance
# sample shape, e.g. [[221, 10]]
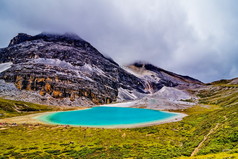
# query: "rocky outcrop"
[[65, 66], [234, 81], [21, 37], [60, 83]]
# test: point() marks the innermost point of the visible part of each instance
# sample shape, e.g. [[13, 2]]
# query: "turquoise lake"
[[106, 116]]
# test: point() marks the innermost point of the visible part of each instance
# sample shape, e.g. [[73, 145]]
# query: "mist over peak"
[[69, 35], [198, 38]]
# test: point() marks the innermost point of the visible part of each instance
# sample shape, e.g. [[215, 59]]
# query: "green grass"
[[219, 95], [222, 155], [169, 140], [162, 141], [11, 108]]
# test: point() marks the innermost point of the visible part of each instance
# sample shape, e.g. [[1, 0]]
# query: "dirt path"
[[196, 150]]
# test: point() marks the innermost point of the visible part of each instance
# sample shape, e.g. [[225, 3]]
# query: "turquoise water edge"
[[106, 116]]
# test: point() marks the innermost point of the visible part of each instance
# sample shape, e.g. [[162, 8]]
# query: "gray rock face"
[[155, 78], [64, 69], [64, 66], [21, 37]]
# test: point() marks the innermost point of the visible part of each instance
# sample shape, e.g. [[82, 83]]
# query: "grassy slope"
[[11, 108], [226, 136], [162, 141], [222, 155]]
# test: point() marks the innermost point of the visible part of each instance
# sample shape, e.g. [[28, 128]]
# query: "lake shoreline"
[[35, 119]]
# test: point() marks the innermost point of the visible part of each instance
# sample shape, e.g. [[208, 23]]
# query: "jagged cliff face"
[[65, 66]]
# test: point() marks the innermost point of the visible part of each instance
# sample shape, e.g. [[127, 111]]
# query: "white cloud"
[[193, 37]]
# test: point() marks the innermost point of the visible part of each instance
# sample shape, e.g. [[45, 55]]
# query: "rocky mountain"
[[64, 69], [155, 78]]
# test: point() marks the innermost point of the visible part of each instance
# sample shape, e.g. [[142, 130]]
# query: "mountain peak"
[[67, 37], [64, 70], [158, 76], [21, 37]]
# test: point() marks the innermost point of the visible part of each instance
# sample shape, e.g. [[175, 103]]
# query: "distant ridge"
[[156, 77]]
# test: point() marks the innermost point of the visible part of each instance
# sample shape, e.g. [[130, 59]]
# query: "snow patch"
[[81, 71], [126, 104], [54, 62], [89, 68], [5, 66]]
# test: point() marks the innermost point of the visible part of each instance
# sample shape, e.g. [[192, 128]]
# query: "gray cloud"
[[191, 37]]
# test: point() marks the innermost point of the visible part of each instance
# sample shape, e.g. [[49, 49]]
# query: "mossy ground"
[[222, 155], [170, 140]]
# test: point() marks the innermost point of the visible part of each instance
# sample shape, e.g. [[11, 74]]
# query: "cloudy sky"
[[198, 38]]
